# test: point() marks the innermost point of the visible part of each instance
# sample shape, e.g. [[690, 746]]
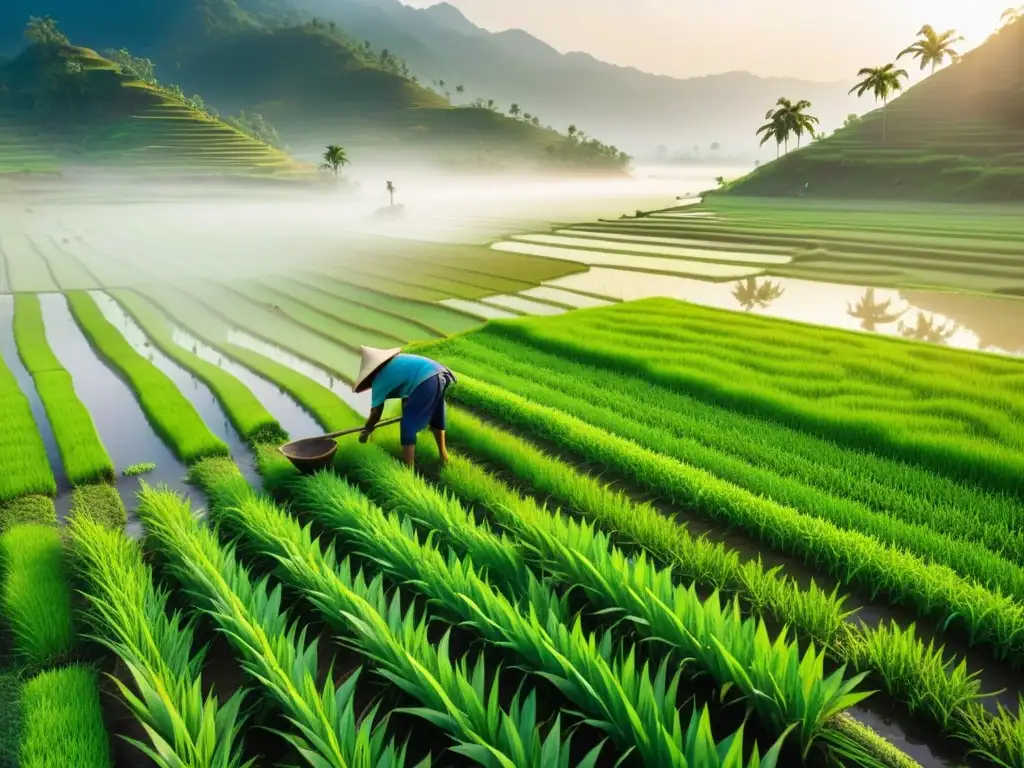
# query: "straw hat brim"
[[372, 360]]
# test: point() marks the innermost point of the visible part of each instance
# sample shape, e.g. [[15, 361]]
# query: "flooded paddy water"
[[119, 419]]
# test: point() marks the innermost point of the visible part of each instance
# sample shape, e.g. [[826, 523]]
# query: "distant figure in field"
[[420, 382]]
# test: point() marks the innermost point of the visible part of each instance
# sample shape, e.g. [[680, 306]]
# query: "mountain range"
[[623, 106]]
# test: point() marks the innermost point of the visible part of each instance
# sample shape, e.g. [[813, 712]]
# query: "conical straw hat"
[[373, 359]]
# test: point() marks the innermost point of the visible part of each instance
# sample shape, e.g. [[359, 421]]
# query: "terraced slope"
[[958, 135], [119, 122]]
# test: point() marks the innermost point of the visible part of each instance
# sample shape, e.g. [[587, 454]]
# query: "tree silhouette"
[[882, 82], [391, 193], [535, 120], [514, 110], [749, 293], [933, 48], [927, 330], [460, 89], [334, 158], [572, 131], [872, 312]]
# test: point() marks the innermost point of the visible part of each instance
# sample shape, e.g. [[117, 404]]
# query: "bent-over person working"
[[421, 384]]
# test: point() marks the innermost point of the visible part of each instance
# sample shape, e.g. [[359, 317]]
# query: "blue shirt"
[[400, 376]]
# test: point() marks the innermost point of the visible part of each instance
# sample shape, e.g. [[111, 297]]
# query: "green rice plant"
[[173, 417], [252, 420], [27, 509], [84, 457], [851, 557], [946, 410], [64, 721], [577, 665], [1000, 738], [100, 502], [736, 653], [129, 616], [453, 696], [326, 730], [138, 469], [34, 594], [917, 675], [10, 718], [976, 534], [26, 467]]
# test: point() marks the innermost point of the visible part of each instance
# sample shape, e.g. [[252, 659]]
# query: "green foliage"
[[249, 416], [173, 417], [138, 469], [64, 723], [130, 617], [743, 659], [27, 509], [335, 158], [10, 718], [139, 68], [44, 31], [272, 650], [255, 125], [84, 456], [34, 594], [100, 503], [26, 468]]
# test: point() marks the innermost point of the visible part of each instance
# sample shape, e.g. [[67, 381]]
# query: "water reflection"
[[749, 293], [966, 322], [872, 313]]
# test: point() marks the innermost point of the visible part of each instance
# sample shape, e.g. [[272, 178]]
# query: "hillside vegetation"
[[64, 105], [316, 84], [958, 135]]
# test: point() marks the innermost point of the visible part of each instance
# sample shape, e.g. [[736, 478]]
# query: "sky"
[[809, 39]]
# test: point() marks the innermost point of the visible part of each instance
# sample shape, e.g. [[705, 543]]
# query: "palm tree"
[[801, 121], [933, 48], [460, 89], [514, 110], [785, 119], [872, 312], [773, 129], [391, 193], [926, 330], [335, 157], [572, 131], [882, 82], [750, 294], [1011, 15], [490, 104]]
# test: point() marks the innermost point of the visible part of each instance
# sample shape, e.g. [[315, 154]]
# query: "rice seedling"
[[917, 675], [10, 718], [975, 533], [130, 617], [100, 502], [27, 509], [138, 469], [26, 468], [63, 721], [34, 594], [851, 557], [278, 653], [907, 408], [173, 417], [577, 665], [252, 420], [82, 452], [737, 653]]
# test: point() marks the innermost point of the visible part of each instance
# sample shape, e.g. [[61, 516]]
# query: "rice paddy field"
[[675, 530]]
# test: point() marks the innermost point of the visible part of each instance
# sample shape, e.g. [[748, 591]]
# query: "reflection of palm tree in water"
[[927, 330], [749, 294], [873, 313]]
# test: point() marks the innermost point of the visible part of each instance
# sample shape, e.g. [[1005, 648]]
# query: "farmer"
[[420, 382]]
